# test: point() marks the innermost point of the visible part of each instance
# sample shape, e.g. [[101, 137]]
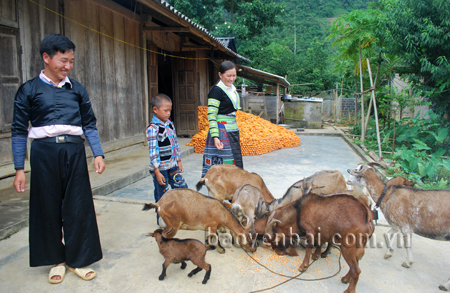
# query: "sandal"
[[57, 271], [83, 272]]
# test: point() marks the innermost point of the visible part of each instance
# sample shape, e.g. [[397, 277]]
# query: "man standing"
[[63, 227]]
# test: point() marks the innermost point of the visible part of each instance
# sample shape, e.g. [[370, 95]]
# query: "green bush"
[[419, 151]]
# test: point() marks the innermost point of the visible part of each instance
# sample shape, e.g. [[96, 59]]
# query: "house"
[[127, 51]]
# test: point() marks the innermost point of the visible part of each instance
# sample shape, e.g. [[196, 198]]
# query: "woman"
[[222, 143]]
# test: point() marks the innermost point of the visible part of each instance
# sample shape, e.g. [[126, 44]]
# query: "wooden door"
[[152, 61], [185, 97], [10, 75]]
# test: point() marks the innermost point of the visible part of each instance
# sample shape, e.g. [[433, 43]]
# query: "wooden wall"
[[112, 71]]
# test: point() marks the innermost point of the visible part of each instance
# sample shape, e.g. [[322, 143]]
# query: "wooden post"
[[336, 102], [363, 131], [374, 108], [361, 95], [368, 113], [278, 100]]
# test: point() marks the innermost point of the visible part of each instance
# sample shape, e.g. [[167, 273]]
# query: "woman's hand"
[[218, 144]]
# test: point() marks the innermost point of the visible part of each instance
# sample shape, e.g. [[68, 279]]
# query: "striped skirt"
[[230, 154]]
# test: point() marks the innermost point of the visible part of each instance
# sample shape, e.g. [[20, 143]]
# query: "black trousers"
[[61, 206]]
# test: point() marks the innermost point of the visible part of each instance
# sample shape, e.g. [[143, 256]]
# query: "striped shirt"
[[164, 150], [221, 100]]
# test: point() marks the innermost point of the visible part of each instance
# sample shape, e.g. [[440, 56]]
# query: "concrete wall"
[[306, 114]]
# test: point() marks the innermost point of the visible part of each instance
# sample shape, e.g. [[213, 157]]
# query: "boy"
[[164, 150], [60, 197]]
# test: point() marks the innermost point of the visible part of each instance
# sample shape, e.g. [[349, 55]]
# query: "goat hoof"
[[388, 253], [161, 278], [190, 274], [407, 264], [221, 251], [445, 286], [345, 280], [204, 282], [183, 266], [302, 269], [315, 257]]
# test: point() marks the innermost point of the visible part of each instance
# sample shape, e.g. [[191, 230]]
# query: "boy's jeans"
[[161, 189]]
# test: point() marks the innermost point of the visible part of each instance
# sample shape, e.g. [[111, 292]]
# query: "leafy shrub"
[[420, 149]]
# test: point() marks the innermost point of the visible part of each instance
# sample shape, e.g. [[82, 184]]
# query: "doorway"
[[165, 83]]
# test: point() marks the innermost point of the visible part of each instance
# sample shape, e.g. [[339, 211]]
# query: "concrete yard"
[[132, 262]]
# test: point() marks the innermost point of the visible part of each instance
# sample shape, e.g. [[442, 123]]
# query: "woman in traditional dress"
[[222, 143]]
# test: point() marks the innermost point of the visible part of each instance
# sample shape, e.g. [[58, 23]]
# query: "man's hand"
[[99, 164], [19, 181]]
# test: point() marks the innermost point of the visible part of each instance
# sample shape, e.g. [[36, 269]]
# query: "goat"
[[282, 222], [179, 250], [407, 210], [324, 182], [223, 180], [183, 208], [249, 202], [348, 223]]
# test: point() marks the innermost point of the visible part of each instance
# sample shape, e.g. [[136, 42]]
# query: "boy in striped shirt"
[[164, 150]]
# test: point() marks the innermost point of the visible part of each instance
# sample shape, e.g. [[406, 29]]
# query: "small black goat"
[[177, 250]]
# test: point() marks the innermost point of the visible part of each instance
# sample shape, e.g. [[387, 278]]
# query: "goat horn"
[[270, 223], [376, 164]]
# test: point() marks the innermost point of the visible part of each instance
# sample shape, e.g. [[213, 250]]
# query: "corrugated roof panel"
[[198, 27]]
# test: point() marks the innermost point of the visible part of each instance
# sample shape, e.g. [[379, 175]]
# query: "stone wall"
[[348, 106]]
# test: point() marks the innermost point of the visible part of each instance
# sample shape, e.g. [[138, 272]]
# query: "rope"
[[116, 39], [290, 278]]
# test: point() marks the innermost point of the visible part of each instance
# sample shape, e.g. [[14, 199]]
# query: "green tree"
[[203, 12], [419, 32]]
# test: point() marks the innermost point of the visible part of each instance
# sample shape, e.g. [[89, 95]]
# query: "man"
[[63, 227]]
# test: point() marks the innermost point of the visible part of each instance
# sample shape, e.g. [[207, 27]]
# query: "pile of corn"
[[258, 136]]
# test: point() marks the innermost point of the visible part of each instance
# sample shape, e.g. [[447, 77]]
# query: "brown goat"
[[408, 210], [183, 208], [282, 221], [180, 250], [223, 180], [324, 182], [280, 230], [347, 222]]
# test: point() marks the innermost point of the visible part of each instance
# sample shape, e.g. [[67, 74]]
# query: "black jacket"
[[43, 104]]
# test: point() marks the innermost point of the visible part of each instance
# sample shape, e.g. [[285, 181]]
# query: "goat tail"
[[149, 206], [210, 247], [200, 184], [369, 219]]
